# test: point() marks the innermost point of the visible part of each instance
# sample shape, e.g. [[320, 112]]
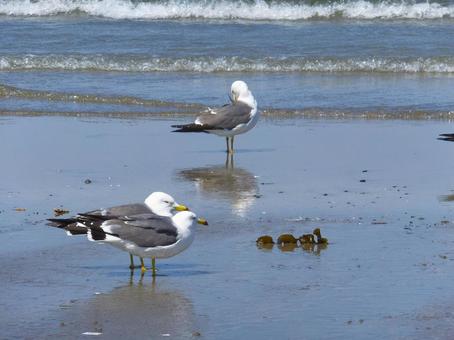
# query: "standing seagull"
[[232, 119], [146, 235], [158, 203]]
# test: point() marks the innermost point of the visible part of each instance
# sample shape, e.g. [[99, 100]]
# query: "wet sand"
[[379, 190]]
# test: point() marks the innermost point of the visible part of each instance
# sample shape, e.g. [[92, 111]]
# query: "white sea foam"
[[103, 63], [224, 9]]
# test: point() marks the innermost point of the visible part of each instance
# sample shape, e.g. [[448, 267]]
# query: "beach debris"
[[266, 239], [310, 242], [287, 247], [59, 212], [287, 239], [92, 333], [307, 239], [19, 209], [287, 242], [362, 181], [307, 242], [88, 181], [320, 239], [265, 242]]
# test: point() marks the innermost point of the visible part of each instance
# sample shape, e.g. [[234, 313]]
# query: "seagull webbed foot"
[[153, 265], [143, 269]]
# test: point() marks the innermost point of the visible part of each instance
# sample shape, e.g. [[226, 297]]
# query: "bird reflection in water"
[[143, 311], [236, 185]]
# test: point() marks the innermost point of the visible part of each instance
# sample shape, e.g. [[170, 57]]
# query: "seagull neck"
[[158, 209], [248, 99], [182, 223]]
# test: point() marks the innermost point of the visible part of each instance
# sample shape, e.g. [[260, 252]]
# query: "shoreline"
[[265, 113]]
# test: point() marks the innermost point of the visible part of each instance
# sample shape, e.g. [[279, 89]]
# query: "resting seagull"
[[158, 203], [230, 120], [145, 235]]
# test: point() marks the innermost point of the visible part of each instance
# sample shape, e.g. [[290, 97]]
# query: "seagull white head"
[[239, 92], [163, 204], [185, 219]]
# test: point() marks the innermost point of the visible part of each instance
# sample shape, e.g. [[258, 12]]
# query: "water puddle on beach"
[[381, 192]]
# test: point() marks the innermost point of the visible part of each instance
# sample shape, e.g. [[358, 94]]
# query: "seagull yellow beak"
[[202, 221], [180, 207]]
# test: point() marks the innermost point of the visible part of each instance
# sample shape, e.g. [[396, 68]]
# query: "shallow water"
[[347, 56], [386, 272], [381, 191]]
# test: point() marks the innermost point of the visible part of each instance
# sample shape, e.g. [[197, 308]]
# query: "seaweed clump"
[[287, 242]]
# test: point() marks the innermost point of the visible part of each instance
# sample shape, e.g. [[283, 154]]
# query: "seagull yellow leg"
[[153, 265], [229, 144], [131, 264], [142, 266], [229, 161]]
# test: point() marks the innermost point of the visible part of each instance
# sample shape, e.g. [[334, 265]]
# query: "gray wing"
[[226, 117], [121, 210], [146, 230]]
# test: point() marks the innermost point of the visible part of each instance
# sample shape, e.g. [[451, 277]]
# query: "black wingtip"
[[447, 137], [60, 222], [178, 128], [96, 217], [97, 234], [190, 128], [76, 230]]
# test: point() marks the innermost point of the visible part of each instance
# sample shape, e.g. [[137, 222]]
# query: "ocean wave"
[[103, 63], [225, 9]]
